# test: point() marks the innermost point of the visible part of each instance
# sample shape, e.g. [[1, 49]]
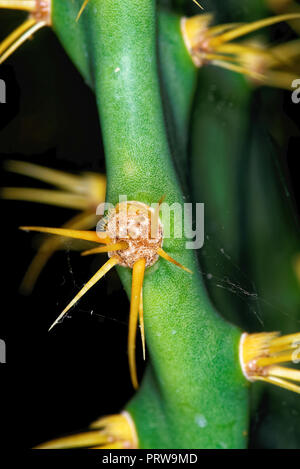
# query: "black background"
[[54, 383]]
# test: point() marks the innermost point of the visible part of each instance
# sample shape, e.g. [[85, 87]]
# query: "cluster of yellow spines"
[[262, 354], [110, 432], [81, 193], [39, 16], [117, 249], [136, 250], [216, 45]]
